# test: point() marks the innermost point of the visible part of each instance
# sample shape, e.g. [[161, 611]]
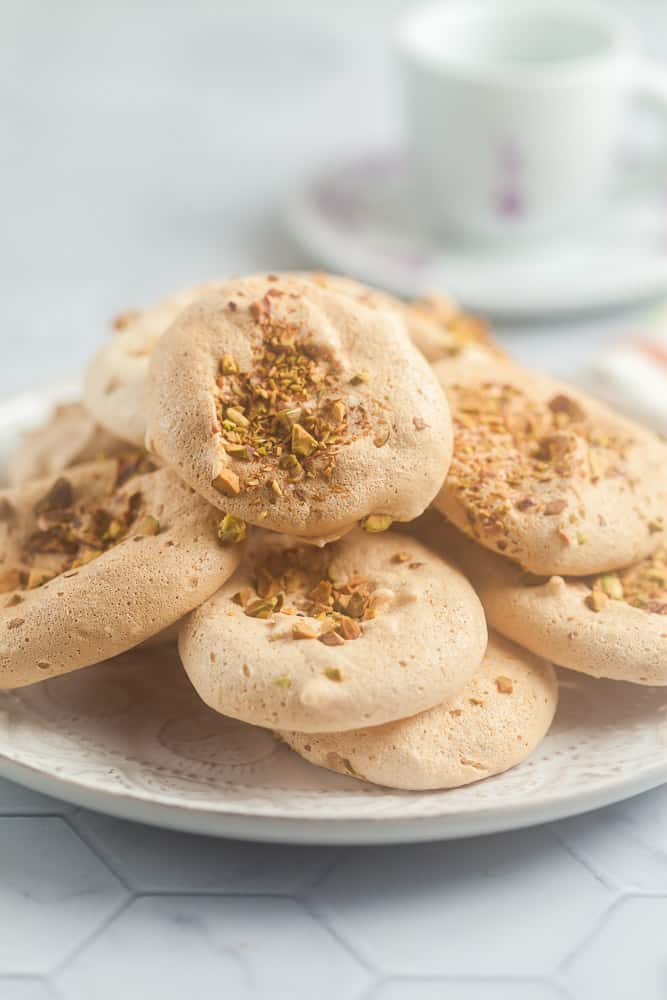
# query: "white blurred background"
[[147, 146]]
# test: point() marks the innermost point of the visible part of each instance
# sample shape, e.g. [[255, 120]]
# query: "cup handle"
[[651, 85], [650, 89]]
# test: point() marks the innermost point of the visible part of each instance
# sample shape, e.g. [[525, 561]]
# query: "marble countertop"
[[142, 152]]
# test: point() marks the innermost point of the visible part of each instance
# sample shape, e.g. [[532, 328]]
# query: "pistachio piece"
[[228, 365], [377, 522], [283, 681], [360, 378], [610, 585], [227, 483], [303, 443], [148, 525], [302, 630], [381, 436], [288, 417], [334, 674], [331, 638], [596, 600], [322, 593], [238, 451], [237, 416], [231, 530], [555, 507], [348, 628], [338, 410], [356, 606], [263, 608]]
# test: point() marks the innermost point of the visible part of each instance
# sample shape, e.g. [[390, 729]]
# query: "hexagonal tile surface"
[[494, 905], [627, 957], [25, 989], [16, 800], [153, 860], [168, 948], [446, 989], [626, 842], [54, 892]]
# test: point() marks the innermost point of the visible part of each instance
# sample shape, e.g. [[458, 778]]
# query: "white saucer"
[[359, 219], [131, 738]]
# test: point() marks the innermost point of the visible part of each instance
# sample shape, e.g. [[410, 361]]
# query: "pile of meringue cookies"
[[326, 493]]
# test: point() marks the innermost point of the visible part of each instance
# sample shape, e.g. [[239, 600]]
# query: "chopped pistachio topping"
[[262, 608], [228, 365], [286, 404], [70, 533], [348, 628], [338, 410], [596, 600], [283, 681], [300, 582], [227, 483], [509, 446], [331, 638], [360, 378], [643, 585], [334, 674], [377, 522], [610, 585], [302, 630], [231, 530], [236, 416], [148, 525], [303, 443], [238, 451]]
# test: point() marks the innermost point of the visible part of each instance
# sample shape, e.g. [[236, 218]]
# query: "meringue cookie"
[[499, 718], [90, 568], [367, 630], [115, 381], [611, 626], [69, 437], [548, 476], [296, 408]]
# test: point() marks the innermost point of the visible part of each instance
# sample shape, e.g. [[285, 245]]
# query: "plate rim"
[[332, 831]]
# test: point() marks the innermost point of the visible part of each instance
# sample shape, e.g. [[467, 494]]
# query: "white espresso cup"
[[514, 111]]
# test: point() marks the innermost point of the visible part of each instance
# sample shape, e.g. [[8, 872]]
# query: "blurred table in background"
[[144, 148]]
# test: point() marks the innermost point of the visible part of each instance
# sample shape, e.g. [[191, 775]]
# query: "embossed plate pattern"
[[130, 737]]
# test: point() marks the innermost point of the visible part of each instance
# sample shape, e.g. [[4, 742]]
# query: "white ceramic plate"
[[360, 219], [131, 738]]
